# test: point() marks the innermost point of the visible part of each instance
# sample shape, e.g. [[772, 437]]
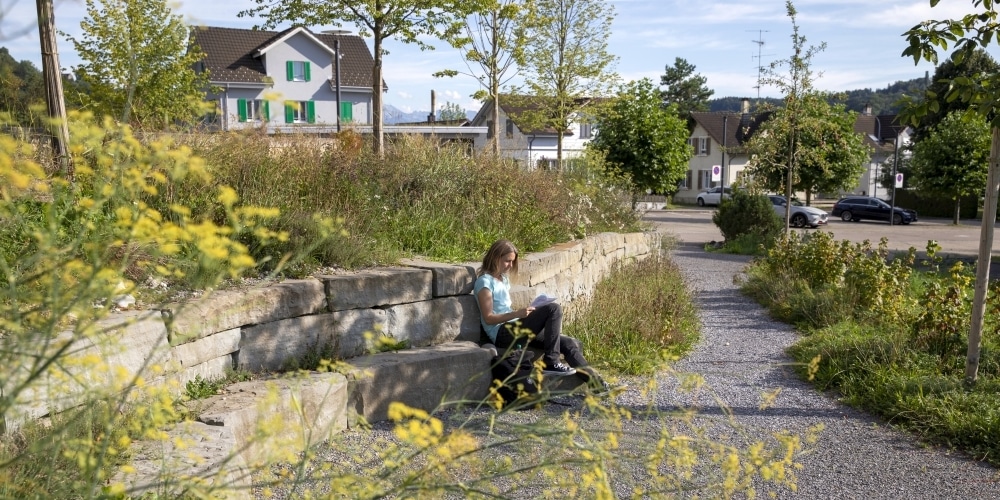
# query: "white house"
[[533, 147], [282, 80]]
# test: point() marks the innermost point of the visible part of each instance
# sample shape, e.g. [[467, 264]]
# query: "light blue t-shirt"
[[501, 300]]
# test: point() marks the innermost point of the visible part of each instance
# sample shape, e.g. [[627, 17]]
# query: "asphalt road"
[[694, 225]]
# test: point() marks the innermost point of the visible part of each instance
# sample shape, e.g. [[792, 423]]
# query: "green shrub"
[[747, 214]]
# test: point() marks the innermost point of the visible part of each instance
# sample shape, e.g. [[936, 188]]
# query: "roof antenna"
[[760, 69]]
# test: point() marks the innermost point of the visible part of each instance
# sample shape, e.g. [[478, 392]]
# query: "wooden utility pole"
[[983, 263], [53, 86]]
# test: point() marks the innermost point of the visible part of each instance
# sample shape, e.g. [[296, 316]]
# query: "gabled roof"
[[884, 128], [233, 54], [738, 127]]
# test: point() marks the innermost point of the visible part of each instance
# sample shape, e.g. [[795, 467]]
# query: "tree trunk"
[[983, 263]]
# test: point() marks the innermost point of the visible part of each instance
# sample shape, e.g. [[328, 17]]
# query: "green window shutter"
[[310, 110], [307, 65], [346, 111], [290, 70], [289, 112], [267, 110], [241, 108]]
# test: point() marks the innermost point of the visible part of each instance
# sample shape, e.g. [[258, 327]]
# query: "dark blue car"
[[855, 208]]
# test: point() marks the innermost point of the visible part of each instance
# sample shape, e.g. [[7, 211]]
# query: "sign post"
[[716, 173]]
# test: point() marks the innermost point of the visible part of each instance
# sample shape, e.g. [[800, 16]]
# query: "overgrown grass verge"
[[639, 316], [890, 338]]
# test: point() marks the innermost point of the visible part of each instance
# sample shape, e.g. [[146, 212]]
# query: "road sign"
[[899, 180], [716, 173]]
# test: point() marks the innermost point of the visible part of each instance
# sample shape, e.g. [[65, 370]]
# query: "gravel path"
[[741, 355]]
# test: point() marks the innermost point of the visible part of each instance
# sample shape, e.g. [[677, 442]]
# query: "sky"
[[726, 41]]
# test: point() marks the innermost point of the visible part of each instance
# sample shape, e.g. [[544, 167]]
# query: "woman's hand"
[[523, 313]]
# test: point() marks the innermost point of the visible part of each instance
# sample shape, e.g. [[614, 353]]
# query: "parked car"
[[801, 215], [713, 196], [855, 208]]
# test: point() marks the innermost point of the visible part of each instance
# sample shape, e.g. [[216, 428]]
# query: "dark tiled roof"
[[884, 127], [739, 128], [229, 54]]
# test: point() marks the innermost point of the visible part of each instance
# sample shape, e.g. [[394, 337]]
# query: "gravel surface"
[[741, 357]]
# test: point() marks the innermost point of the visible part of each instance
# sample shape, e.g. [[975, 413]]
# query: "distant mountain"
[[883, 101], [392, 115]]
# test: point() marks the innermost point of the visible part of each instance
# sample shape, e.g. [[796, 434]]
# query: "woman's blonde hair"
[[491, 260]]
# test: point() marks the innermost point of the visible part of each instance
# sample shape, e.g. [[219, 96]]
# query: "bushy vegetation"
[[421, 199], [747, 220], [639, 316], [890, 335]]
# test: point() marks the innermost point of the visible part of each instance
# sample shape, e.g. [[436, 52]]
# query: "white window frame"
[[702, 146], [298, 71], [300, 112], [255, 110], [586, 130]]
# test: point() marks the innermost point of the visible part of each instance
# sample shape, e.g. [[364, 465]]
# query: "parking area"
[[694, 225]]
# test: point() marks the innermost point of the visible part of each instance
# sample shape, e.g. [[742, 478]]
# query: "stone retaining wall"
[[261, 329]]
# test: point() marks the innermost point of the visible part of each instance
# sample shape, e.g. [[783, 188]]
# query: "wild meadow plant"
[[141, 209], [889, 335], [69, 247]]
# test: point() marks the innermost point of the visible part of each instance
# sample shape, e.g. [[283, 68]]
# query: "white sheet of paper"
[[542, 300]]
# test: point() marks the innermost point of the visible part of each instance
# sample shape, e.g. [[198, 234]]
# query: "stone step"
[[297, 412]]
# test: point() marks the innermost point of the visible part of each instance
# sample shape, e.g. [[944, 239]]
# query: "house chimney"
[[868, 109], [745, 105], [430, 117]]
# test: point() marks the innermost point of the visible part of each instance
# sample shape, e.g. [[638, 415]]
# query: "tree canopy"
[[491, 43], [138, 64], [952, 158], [21, 86], [408, 21], [685, 89], [565, 61], [819, 139], [644, 141], [977, 62]]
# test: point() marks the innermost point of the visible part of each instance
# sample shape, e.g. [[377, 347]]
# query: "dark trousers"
[[546, 323]]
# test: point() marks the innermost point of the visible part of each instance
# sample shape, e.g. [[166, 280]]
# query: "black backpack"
[[512, 369]]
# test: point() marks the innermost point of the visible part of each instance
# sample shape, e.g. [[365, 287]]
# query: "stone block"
[[425, 378], [211, 347], [378, 288], [268, 347], [412, 323], [348, 329], [448, 279], [212, 369], [228, 309], [290, 413]]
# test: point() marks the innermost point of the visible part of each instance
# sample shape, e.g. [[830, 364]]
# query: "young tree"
[[685, 88], [138, 63], [829, 155], [982, 93], [451, 112], [565, 61], [403, 20], [644, 141], [952, 159], [490, 42], [797, 86]]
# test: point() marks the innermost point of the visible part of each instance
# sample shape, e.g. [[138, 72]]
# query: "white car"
[[801, 216], [712, 196]]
